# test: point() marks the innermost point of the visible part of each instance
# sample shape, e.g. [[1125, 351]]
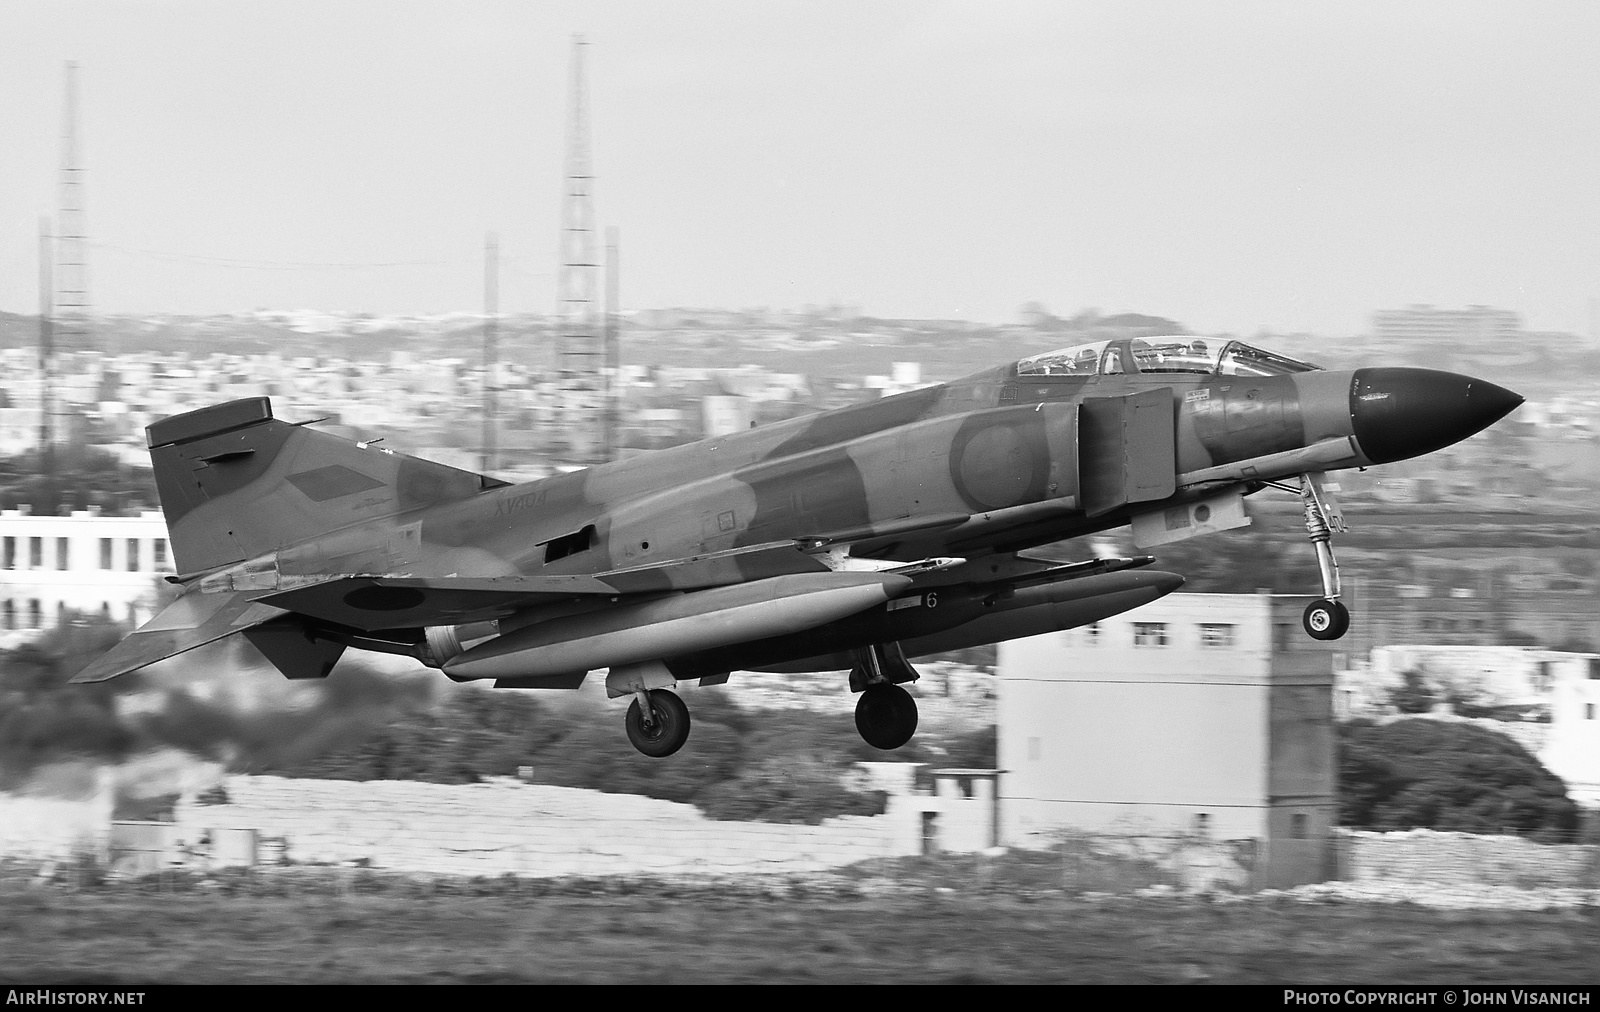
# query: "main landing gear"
[[1325, 618], [886, 714], [657, 722]]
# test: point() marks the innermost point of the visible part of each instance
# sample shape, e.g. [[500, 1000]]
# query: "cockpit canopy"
[[1205, 356]]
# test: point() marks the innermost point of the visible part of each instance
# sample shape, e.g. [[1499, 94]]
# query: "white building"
[[1486, 675], [84, 563], [725, 414], [1205, 715], [1572, 750]]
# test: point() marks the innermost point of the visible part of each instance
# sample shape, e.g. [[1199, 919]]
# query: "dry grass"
[[918, 921]]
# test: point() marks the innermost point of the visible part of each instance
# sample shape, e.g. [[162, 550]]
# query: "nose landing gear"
[[1325, 618]]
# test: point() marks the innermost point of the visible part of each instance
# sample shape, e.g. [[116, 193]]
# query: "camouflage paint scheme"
[[310, 543]]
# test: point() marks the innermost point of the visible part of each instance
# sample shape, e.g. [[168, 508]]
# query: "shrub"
[[1443, 775]]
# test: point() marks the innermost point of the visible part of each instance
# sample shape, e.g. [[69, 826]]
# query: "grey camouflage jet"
[[853, 539]]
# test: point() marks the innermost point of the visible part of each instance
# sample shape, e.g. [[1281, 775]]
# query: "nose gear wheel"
[[1326, 620]]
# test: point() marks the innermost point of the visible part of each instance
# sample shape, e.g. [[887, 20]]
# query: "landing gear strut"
[[1325, 618], [657, 722], [886, 714]]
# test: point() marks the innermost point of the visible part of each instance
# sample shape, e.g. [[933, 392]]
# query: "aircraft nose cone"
[[1400, 413]]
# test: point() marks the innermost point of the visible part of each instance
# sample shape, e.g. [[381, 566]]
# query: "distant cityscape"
[[688, 374]]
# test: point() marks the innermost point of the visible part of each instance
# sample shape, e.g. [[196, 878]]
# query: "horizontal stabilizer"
[[191, 621]]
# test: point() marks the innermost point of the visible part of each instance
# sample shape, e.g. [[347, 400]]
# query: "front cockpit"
[[1203, 356]]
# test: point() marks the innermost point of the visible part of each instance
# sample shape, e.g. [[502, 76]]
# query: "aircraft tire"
[[886, 716], [670, 730], [1326, 620]]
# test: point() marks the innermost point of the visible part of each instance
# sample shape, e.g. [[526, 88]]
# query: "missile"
[[678, 624]]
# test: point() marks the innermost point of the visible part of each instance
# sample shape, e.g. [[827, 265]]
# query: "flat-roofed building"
[[1205, 715], [1473, 325], [1572, 749], [85, 563]]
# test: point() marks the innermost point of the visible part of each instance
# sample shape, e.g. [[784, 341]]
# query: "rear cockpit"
[[1204, 356]]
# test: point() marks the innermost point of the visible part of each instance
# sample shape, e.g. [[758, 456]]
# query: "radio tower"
[[580, 344], [72, 267]]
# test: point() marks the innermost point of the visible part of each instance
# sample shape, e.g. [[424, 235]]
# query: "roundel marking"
[[995, 468]]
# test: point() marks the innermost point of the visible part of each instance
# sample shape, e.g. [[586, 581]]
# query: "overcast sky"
[[1231, 165]]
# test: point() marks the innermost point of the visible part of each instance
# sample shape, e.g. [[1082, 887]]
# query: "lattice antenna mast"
[[613, 366], [491, 326], [47, 350], [71, 245], [580, 351]]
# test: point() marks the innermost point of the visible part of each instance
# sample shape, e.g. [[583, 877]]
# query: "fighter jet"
[[855, 539]]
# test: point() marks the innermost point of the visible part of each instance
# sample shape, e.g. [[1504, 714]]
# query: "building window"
[[36, 553], [133, 555], [1299, 823], [1594, 667], [161, 553], [1216, 635], [105, 553], [1588, 710], [11, 553], [1149, 634], [1283, 637], [61, 553], [8, 614], [35, 613]]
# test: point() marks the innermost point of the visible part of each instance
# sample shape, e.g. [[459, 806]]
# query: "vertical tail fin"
[[236, 483]]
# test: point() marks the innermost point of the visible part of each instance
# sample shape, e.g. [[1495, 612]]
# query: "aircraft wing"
[[377, 602], [394, 602], [372, 602], [191, 621]]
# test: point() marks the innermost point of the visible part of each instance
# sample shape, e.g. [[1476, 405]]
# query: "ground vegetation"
[[1447, 775]]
